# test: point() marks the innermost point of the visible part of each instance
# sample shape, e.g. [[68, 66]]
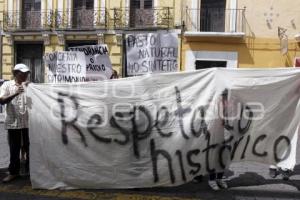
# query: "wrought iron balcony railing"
[[215, 20], [28, 20], [89, 19], [124, 18], [81, 19]]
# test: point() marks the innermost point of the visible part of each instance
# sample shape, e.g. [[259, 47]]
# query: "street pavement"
[[246, 181]]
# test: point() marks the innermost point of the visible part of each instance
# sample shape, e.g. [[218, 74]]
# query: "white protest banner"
[[151, 53], [65, 66], [160, 130], [98, 64]]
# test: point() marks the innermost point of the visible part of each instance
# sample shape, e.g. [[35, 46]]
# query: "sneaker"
[[273, 172], [9, 178], [286, 174], [222, 184], [213, 185], [198, 179]]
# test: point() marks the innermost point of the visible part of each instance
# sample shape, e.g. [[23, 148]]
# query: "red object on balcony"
[[297, 62]]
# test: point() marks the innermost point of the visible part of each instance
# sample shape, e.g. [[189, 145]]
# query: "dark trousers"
[[215, 176], [16, 139]]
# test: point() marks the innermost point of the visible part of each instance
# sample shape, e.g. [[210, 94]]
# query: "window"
[[141, 13], [203, 64], [31, 17], [194, 58], [148, 4], [83, 4], [31, 5], [83, 16], [212, 15], [141, 4], [135, 4]]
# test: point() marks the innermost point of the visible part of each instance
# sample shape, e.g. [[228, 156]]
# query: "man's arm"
[[7, 99]]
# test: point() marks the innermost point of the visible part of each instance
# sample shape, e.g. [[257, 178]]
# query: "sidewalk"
[[247, 182]]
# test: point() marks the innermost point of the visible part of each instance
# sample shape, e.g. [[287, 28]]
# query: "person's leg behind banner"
[[14, 140], [286, 167], [216, 181], [25, 139], [212, 182]]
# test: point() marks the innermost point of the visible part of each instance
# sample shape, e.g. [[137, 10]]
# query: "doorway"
[[79, 43], [32, 56]]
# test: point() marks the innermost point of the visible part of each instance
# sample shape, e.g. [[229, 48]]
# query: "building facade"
[[241, 33], [221, 33], [31, 28]]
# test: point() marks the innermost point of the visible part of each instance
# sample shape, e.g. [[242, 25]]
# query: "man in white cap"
[[16, 119]]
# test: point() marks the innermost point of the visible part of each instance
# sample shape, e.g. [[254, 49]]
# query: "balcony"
[[215, 22], [28, 20], [81, 19], [89, 19], [154, 18]]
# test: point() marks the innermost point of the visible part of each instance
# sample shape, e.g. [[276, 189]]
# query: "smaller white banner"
[[98, 64], [65, 66], [151, 53]]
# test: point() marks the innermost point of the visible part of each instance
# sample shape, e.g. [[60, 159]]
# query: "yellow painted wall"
[[7, 59], [252, 52], [261, 46], [177, 5], [2, 8], [266, 16], [115, 4]]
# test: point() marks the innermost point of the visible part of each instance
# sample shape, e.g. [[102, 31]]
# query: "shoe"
[[273, 172], [9, 178], [213, 185], [286, 174], [222, 184], [198, 179]]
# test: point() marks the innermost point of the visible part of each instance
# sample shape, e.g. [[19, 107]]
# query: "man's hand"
[[20, 89], [7, 99], [26, 83]]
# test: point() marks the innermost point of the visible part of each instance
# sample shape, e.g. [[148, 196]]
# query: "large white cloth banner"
[[98, 64], [151, 53], [160, 130], [65, 66]]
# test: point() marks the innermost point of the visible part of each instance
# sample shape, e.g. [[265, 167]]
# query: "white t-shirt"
[[16, 116]]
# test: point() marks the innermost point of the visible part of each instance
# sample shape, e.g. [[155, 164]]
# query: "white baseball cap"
[[21, 67]]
